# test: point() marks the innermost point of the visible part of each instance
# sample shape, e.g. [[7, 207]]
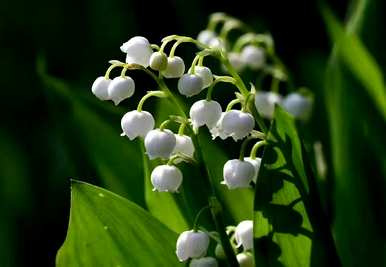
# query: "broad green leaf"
[[358, 159], [108, 230], [285, 233], [357, 58], [115, 158]]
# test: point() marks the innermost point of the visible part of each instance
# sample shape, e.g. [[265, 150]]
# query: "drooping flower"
[[175, 67], [192, 244], [100, 86], [137, 124], [206, 36], [253, 56], [121, 88], [238, 174], [298, 105], [159, 143], [256, 162], [184, 145], [204, 112], [265, 103], [206, 74], [166, 178], [190, 84], [237, 124], [244, 234], [138, 51]]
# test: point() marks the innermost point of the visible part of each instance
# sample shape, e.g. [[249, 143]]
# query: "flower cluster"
[[251, 51]]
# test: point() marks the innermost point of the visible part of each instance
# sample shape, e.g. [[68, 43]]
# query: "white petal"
[[137, 124], [99, 88], [121, 88], [175, 68], [265, 103], [160, 144], [190, 84]]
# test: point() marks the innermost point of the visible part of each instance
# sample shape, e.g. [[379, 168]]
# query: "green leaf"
[[285, 232], [115, 158], [358, 162], [357, 58], [108, 230]]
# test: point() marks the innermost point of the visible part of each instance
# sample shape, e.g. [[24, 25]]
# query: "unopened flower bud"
[[253, 56], [175, 67], [159, 143], [238, 174], [204, 112], [121, 88], [265, 103], [137, 124], [190, 84], [191, 244], [237, 124], [256, 164], [99, 88], [158, 61], [244, 234], [138, 51], [166, 178], [219, 252], [204, 262], [298, 105], [245, 260]]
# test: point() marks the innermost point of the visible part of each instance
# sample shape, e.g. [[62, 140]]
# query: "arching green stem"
[[149, 94], [195, 224], [256, 147], [218, 79]]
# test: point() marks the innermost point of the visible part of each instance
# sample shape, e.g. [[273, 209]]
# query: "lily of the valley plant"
[[242, 120]]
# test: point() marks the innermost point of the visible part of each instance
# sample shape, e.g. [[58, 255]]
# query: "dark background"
[[76, 39]]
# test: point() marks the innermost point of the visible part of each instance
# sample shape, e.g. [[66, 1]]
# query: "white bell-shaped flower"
[[158, 61], [244, 234], [253, 56], [100, 86], [218, 43], [256, 162], [237, 124], [204, 112], [245, 260], [138, 51], [206, 36], [137, 124], [237, 174], [236, 61], [265, 103], [191, 244], [160, 143], [206, 74], [204, 262], [121, 88], [166, 178], [298, 105], [218, 129], [184, 145], [175, 67], [190, 84]]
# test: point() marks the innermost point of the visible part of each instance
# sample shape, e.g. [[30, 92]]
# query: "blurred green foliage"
[[50, 134]]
